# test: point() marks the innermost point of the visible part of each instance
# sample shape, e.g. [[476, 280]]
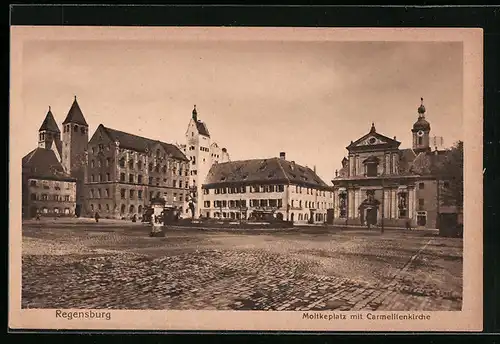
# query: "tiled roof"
[[140, 144], [262, 171], [42, 163], [49, 123], [202, 128], [75, 115]]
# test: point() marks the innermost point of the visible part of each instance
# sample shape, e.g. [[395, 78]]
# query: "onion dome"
[[421, 123]]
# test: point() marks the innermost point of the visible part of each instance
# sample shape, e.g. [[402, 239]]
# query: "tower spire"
[[372, 130], [195, 113], [421, 108]]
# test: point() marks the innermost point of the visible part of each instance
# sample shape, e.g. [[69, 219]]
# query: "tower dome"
[[421, 123]]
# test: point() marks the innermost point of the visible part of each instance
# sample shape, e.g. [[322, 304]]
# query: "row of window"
[[46, 185], [123, 208], [49, 136], [310, 191], [272, 203], [131, 179], [55, 210], [67, 129], [311, 204], [46, 197]]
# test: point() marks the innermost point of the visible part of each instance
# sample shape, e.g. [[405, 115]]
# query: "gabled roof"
[[256, 171], [141, 144], [373, 140], [42, 163], [202, 128], [49, 123], [75, 115]]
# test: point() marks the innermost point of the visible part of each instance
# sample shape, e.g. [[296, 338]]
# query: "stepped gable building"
[[381, 182], [202, 153], [251, 188], [47, 187], [126, 171]]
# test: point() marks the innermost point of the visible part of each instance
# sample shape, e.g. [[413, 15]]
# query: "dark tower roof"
[[195, 113], [421, 123], [75, 115], [49, 123]]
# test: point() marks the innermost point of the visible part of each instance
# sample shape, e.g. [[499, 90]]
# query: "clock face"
[[420, 133]]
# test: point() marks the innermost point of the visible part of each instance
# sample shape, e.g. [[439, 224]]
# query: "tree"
[[450, 170]]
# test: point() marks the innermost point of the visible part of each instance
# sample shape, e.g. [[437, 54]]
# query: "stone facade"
[[50, 197], [381, 184], [126, 171], [202, 153]]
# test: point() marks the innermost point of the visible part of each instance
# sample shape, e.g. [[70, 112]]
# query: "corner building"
[[249, 188], [126, 171], [380, 183]]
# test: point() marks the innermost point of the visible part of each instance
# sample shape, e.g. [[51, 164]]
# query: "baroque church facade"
[[381, 183]]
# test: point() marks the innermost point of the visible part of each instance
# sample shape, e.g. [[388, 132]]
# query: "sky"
[[258, 98]]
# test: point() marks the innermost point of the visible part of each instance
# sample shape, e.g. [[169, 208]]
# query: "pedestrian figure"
[[96, 217], [408, 225], [134, 218], [38, 216]]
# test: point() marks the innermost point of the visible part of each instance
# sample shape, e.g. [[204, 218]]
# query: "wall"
[[60, 195]]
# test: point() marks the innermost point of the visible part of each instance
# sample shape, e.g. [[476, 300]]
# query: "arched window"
[[131, 163], [122, 209], [122, 162], [139, 209], [131, 209]]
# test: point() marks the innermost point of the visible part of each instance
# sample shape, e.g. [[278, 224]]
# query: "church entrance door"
[[371, 216]]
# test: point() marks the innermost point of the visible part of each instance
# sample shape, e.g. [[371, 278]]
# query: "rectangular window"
[[122, 193], [181, 198], [421, 186], [150, 181], [122, 177], [33, 183], [108, 162], [139, 179], [66, 198], [280, 203], [139, 194], [157, 181], [130, 178], [207, 204], [132, 194], [108, 177], [174, 183]]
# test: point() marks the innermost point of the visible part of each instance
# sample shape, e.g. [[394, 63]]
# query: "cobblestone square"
[[116, 265]]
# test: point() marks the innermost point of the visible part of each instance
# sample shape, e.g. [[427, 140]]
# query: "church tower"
[[74, 150], [49, 133], [421, 131]]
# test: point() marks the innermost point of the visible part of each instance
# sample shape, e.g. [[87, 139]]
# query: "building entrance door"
[[371, 216]]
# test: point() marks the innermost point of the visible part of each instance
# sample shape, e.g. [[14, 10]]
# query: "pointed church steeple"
[[75, 115], [49, 123], [49, 132]]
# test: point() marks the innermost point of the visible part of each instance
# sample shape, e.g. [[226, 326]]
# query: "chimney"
[[282, 155], [314, 169], [293, 165], [394, 138]]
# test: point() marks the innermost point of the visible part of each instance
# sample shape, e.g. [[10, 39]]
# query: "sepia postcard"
[[256, 179]]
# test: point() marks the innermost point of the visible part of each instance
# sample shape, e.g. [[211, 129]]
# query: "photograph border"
[[472, 301]]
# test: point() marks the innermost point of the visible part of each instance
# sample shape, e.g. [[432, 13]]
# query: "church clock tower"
[[421, 131]]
